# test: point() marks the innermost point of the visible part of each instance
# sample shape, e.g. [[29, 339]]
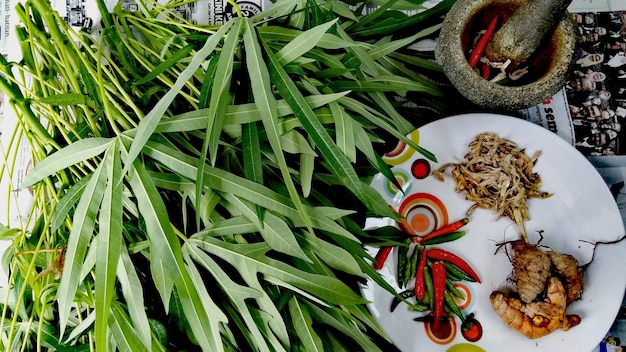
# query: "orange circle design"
[[440, 340], [463, 303], [424, 212]]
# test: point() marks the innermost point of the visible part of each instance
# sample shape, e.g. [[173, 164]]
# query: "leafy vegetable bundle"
[[210, 180]]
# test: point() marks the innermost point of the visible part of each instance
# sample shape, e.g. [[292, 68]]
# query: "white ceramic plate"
[[580, 212]]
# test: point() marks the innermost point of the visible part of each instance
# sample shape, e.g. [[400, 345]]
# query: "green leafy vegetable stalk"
[[204, 186]]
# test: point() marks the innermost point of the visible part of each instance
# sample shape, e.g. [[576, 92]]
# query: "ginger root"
[[540, 273]]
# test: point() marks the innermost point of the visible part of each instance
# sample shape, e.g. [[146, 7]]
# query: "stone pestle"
[[519, 37]]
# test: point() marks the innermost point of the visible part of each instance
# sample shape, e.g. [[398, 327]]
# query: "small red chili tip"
[[381, 257], [482, 43], [440, 254]]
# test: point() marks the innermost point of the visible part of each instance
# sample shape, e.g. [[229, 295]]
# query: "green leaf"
[[7, 233], [251, 147], [274, 231], [231, 226], [381, 121], [359, 58], [211, 309], [387, 83], [378, 51], [238, 294], [294, 142], [252, 162], [373, 16], [150, 121], [338, 162], [227, 182], [133, 293], [396, 26], [167, 262], [283, 34], [72, 154], [301, 319], [109, 245], [333, 255], [382, 102], [343, 325], [280, 237], [220, 96], [219, 100], [82, 230], [126, 338], [254, 256], [235, 116], [307, 167], [66, 99], [344, 134], [303, 43], [266, 104], [166, 65], [67, 202]]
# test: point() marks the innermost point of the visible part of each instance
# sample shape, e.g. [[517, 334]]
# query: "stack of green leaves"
[[205, 179]]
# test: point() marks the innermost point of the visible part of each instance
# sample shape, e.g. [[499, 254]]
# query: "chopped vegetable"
[[497, 175]]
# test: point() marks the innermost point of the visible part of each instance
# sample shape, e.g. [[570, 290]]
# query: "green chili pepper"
[[403, 261], [451, 305], [445, 238], [453, 290], [418, 307], [411, 268], [457, 273], [428, 284]]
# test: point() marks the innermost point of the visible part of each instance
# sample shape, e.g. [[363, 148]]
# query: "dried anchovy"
[[497, 175]]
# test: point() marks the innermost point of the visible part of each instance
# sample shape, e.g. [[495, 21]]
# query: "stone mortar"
[[451, 53]]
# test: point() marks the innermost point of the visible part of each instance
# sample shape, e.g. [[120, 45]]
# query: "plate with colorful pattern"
[[581, 218]]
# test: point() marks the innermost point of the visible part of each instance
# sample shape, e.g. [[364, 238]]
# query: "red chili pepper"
[[439, 291], [442, 231], [420, 290], [440, 254], [485, 70], [482, 43], [381, 257]]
